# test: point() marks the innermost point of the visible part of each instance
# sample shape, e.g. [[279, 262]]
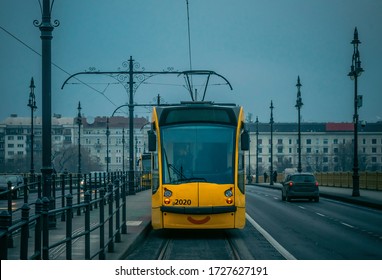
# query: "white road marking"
[[345, 224], [302, 207], [319, 214], [270, 239]]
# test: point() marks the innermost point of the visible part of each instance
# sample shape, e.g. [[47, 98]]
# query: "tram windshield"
[[198, 153]]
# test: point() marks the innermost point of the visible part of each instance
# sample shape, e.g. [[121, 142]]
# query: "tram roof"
[[198, 112]]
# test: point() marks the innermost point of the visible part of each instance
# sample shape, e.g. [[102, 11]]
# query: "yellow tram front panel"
[[198, 205]]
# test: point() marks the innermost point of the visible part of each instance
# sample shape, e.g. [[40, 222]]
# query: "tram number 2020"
[[182, 202]]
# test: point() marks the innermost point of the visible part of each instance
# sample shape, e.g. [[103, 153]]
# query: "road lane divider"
[[270, 239]]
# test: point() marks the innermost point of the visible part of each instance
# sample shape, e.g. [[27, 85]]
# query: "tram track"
[[215, 244]]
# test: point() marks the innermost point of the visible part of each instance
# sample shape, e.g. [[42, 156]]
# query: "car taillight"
[[316, 184], [290, 184]]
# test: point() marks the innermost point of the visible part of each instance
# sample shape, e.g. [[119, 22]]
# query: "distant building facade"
[[15, 140], [324, 146]]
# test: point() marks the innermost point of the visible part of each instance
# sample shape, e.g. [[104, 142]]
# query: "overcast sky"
[[259, 46]]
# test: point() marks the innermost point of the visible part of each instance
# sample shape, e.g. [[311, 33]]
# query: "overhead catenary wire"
[[54, 64]]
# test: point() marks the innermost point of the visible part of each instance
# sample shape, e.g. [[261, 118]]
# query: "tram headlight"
[[229, 196], [228, 193], [167, 193]]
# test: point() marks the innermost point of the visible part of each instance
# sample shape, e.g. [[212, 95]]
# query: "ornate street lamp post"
[[271, 143], [79, 123], [298, 106], [257, 150], [356, 71], [32, 105], [46, 28]]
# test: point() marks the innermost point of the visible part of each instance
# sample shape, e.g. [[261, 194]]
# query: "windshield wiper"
[[191, 179]]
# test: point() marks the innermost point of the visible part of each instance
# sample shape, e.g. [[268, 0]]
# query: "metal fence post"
[[102, 224], [45, 228], [69, 225], [26, 190], [5, 223], [124, 226], [87, 225], [39, 180], [38, 229], [78, 193], [117, 214], [111, 243], [24, 232], [62, 177]]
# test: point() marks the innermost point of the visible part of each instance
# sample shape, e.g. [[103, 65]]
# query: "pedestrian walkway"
[[138, 221]]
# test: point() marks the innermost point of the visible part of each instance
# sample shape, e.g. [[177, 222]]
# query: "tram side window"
[[155, 161]]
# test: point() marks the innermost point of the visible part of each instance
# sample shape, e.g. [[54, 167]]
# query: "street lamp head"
[[299, 99], [355, 38], [79, 117], [298, 85], [32, 98], [355, 68]]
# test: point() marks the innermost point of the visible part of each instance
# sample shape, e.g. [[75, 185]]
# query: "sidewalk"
[[368, 198], [138, 220]]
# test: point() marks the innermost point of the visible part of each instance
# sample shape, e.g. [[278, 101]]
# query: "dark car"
[[17, 182], [300, 185]]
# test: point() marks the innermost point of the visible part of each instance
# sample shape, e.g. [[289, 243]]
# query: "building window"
[[373, 150], [326, 150], [308, 141], [280, 150], [279, 141], [373, 141], [308, 150], [335, 141]]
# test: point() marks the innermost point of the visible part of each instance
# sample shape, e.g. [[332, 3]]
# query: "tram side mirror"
[[245, 141], [152, 141]]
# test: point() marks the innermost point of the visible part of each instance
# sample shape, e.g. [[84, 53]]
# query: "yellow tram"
[[198, 166]]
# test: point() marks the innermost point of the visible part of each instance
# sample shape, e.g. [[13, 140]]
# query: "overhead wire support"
[[190, 83]]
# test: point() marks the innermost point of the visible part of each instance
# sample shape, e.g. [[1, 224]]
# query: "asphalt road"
[[327, 230]]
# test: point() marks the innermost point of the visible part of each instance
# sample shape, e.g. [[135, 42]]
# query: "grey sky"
[[260, 46]]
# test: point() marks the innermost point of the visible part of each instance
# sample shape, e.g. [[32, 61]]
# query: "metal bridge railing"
[[101, 201]]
